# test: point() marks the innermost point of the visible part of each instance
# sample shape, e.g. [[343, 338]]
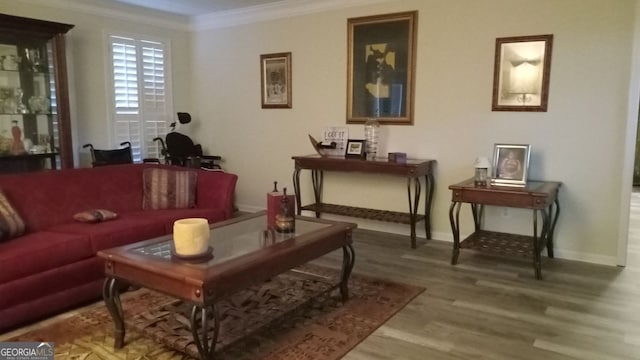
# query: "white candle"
[[191, 236]]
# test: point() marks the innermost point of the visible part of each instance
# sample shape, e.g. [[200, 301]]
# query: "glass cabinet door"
[[30, 124]]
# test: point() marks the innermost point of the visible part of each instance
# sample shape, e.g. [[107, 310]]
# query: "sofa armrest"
[[215, 189]]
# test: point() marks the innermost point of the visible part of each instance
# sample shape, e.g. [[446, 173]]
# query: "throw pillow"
[[169, 189], [95, 216], [11, 224]]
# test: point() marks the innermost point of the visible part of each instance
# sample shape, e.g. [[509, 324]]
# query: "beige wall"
[[87, 55], [579, 141]]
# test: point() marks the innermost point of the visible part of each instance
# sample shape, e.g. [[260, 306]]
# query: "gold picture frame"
[[522, 66], [381, 62], [275, 80]]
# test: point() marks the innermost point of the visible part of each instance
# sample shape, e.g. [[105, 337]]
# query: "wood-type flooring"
[[489, 307]]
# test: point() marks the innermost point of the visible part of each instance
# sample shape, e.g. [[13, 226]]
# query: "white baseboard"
[[403, 229]]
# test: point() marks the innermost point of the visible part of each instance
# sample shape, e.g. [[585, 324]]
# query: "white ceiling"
[[197, 7]]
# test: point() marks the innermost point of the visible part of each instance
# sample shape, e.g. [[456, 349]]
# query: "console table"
[[413, 170], [539, 196]]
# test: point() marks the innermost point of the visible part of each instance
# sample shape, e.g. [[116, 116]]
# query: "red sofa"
[[54, 266]]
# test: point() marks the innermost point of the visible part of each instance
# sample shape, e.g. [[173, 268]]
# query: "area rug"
[[295, 316]]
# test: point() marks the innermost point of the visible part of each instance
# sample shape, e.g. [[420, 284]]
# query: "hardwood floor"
[[493, 308]]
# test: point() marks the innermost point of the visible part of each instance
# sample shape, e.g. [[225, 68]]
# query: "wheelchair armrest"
[[211, 157]]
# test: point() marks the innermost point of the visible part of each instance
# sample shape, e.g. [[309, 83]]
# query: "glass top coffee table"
[[245, 253]]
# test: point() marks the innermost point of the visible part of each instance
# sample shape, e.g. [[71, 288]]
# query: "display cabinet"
[[35, 130]]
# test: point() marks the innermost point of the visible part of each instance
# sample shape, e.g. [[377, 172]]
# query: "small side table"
[[539, 196]]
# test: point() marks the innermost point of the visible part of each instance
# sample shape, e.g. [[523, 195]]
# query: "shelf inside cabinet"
[[34, 104]]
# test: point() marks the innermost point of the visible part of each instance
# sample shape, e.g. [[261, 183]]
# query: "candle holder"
[[481, 175]]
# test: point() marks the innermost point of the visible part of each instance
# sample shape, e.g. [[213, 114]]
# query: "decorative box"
[[398, 157], [274, 198]]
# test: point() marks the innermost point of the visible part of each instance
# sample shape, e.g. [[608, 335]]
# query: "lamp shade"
[[524, 78], [482, 162]]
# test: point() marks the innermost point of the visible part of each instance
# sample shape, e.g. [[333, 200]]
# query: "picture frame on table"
[[381, 61], [275, 80], [522, 65], [355, 149], [510, 164]]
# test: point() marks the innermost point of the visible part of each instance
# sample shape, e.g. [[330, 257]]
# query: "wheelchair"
[[101, 157]]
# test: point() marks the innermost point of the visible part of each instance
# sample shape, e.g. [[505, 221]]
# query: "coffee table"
[[245, 254]]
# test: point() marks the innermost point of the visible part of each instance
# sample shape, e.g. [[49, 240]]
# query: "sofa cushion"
[[95, 216], [126, 229], [169, 189], [11, 224], [40, 251]]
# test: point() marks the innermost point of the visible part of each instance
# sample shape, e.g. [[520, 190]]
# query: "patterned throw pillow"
[[95, 216], [169, 189], [11, 224]]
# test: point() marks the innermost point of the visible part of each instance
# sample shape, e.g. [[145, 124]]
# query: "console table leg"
[[348, 260], [537, 262], [296, 189], [414, 201], [111, 296], [200, 330], [455, 229], [428, 198], [317, 177], [553, 215]]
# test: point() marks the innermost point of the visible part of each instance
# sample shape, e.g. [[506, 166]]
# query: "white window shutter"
[[140, 94], [154, 96]]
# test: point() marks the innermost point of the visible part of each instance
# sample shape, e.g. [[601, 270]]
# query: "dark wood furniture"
[[27, 162], [40, 74], [244, 254], [539, 196], [413, 170]]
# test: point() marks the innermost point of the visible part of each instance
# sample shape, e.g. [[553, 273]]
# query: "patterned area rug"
[[293, 316]]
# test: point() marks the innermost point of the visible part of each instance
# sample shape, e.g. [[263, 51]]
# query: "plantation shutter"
[[140, 94], [154, 96]]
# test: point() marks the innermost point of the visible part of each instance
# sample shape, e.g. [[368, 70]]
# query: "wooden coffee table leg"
[[200, 330], [111, 296], [348, 260]]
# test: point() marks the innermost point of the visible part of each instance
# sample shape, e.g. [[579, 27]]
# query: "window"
[[141, 94]]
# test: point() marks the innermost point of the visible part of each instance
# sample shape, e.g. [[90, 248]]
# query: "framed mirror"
[[521, 73]]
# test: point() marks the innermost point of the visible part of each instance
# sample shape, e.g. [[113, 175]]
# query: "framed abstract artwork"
[[381, 62]]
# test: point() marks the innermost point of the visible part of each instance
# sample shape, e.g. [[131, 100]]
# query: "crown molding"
[[273, 11], [83, 6], [253, 14]]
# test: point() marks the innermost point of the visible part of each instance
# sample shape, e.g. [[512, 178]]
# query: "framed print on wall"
[[275, 80], [510, 164], [381, 68], [521, 71]]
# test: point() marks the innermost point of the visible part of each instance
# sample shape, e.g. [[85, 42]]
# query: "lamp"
[[482, 171], [524, 79]]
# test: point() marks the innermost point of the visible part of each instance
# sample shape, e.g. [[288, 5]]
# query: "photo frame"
[[510, 164], [275, 80], [381, 62], [355, 149], [521, 71]]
